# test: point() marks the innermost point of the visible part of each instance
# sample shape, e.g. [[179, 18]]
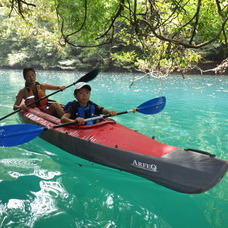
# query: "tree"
[[154, 36]]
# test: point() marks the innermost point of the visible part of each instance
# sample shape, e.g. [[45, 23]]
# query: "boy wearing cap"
[[83, 108]]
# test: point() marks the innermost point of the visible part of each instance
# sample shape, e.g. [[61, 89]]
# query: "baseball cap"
[[79, 85]]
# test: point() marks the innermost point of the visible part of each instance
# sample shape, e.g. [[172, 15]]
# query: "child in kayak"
[[83, 108], [34, 91]]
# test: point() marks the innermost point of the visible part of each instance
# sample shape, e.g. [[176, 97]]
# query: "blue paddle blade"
[[13, 135], [152, 106]]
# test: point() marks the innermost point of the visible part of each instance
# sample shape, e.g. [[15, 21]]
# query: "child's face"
[[83, 96], [30, 77]]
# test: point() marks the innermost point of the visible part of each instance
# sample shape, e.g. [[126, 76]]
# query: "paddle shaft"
[[32, 103], [13, 135], [59, 90], [88, 119], [95, 118], [151, 107], [108, 115], [89, 76]]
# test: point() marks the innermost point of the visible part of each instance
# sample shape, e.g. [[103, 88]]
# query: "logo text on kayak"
[[146, 166]]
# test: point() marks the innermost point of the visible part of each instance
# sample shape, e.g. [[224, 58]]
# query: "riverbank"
[[204, 68]]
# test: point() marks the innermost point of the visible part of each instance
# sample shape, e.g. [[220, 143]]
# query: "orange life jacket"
[[37, 93]]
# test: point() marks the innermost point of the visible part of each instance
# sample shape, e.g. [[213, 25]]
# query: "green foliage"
[[85, 20], [161, 36]]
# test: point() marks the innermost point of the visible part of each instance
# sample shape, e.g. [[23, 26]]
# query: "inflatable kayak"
[[114, 145]]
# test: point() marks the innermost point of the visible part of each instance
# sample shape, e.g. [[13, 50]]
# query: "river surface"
[[44, 186]]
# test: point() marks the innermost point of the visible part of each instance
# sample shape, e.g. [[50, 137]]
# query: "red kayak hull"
[[111, 144]]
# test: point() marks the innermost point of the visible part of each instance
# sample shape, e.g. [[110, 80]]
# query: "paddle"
[[88, 77], [13, 135], [152, 106]]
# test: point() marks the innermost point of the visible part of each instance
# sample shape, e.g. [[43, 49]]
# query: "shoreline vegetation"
[[207, 68], [140, 37]]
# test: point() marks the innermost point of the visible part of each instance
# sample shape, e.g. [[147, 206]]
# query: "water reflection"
[[120, 200], [36, 205], [28, 190]]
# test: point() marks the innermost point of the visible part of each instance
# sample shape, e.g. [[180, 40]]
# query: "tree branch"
[[117, 14], [178, 42], [17, 5]]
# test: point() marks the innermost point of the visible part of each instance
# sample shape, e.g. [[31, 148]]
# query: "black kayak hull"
[[185, 171]]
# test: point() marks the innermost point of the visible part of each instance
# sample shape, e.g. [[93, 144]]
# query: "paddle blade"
[[152, 106], [13, 135], [89, 76]]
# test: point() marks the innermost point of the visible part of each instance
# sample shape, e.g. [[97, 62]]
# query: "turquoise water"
[[43, 186]]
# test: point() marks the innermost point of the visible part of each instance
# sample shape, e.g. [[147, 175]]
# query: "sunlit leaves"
[[86, 21], [161, 35], [162, 30]]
